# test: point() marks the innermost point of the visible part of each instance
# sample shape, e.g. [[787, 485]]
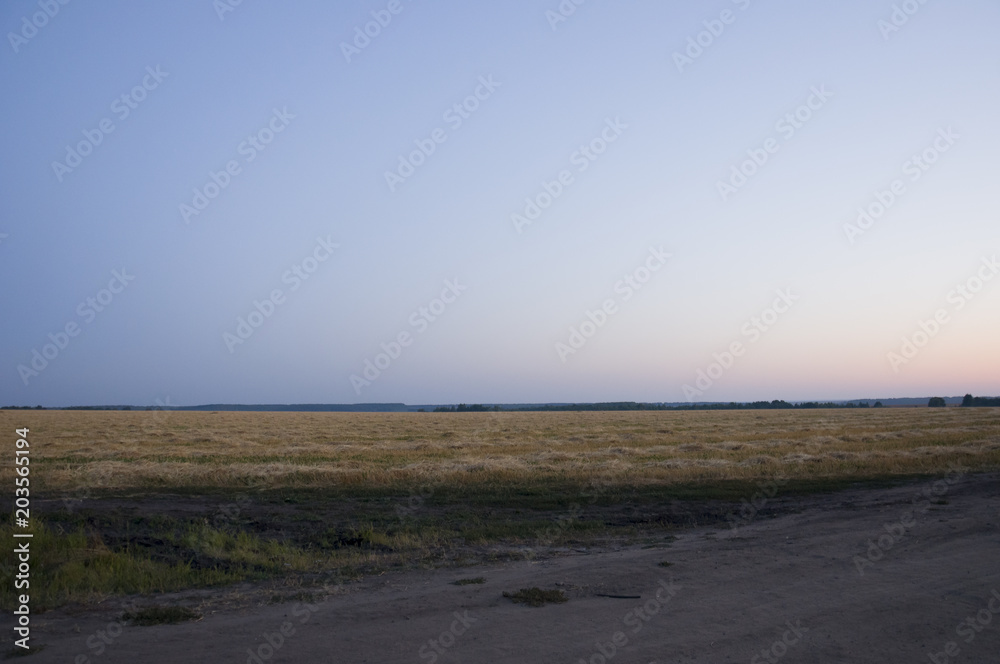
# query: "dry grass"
[[161, 501], [115, 450]]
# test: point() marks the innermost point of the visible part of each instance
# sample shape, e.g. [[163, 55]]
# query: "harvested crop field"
[[112, 450]]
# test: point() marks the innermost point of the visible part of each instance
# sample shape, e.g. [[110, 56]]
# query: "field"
[[149, 502], [379, 454]]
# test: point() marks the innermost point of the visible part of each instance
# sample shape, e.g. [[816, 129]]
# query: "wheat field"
[[119, 450]]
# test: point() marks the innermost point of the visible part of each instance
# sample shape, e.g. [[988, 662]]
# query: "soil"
[[861, 575]]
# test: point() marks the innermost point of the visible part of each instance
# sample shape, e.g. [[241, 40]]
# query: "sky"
[[528, 201]]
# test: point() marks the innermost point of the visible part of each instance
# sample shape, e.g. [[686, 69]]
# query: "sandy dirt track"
[[788, 589]]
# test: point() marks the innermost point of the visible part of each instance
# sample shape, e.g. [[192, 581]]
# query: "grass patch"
[[246, 552], [536, 596], [79, 567], [160, 615], [469, 582], [665, 563]]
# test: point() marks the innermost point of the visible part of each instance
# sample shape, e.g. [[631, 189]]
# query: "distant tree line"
[[754, 405], [970, 400], [462, 408], [615, 405], [778, 404]]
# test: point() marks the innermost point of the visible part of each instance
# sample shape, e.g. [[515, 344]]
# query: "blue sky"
[[627, 135]]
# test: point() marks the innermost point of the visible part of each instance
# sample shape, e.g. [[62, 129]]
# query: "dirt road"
[[890, 575]]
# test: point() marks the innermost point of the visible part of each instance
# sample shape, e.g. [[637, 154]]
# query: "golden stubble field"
[[156, 450]]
